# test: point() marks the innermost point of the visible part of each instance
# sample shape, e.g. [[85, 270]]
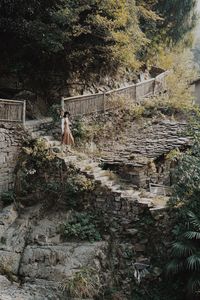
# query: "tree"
[[179, 18], [67, 37]]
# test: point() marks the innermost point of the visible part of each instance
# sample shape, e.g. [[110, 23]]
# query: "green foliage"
[[78, 183], [185, 255], [86, 39], [41, 173], [174, 28], [83, 226], [173, 155], [35, 161], [8, 197], [42, 38], [79, 130], [166, 290], [186, 211], [54, 112], [186, 177]]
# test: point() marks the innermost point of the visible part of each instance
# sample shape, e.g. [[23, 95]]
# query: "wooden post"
[[104, 104], [24, 112], [63, 103]]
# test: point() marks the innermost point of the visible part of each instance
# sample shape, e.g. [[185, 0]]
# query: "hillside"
[[99, 193]]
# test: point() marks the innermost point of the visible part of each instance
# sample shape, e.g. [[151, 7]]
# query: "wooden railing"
[[12, 110], [95, 103]]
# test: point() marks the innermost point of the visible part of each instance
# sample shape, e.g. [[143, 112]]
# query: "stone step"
[[54, 143], [102, 179], [88, 164], [116, 187], [110, 183], [97, 169], [128, 193], [157, 208], [71, 158], [146, 202], [48, 138]]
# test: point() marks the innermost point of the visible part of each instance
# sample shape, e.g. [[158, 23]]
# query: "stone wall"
[[10, 143]]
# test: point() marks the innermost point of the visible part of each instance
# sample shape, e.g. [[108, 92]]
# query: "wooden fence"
[[96, 103], [12, 110]]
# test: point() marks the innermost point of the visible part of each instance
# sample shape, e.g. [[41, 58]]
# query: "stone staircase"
[[42, 127], [107, 179], [116, 186]]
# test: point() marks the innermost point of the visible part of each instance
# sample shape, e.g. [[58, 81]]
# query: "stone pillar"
[[10, 144]]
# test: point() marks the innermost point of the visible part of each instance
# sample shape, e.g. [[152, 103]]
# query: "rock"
[[8, 215], [157, 271], [39, 291], [9, 262], [139, 248], [131, 231], [56, 263], [143, 260], [144, 242], [118, 296]]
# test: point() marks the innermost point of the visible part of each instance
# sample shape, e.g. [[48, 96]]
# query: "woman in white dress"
[[67, 137]]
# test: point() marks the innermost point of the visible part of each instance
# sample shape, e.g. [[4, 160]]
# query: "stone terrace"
[[143, 143]]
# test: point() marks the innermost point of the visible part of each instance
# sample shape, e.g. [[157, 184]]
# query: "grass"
[[83, 284]]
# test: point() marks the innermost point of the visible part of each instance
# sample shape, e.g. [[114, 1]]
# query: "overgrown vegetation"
[[80, 39], [85, 283], [8, 197], [176, 101], [54, 112], [185, 209], [82, 226], [41, 174], [185, 263]]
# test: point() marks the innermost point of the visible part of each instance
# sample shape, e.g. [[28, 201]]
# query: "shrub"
[[54, 112], [82, 226], [41, 172], [79, 129], [77, 184], [8, 197]]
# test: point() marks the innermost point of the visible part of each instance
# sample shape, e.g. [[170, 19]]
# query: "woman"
[[67, 138]]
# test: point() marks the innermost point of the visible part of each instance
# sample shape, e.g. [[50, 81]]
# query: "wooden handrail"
[[91, 103]]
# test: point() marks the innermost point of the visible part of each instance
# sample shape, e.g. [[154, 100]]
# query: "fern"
[[182, 249], [193, 262], [186, 256], [193, 220], [175, 266], [192, 235], [193, 284]]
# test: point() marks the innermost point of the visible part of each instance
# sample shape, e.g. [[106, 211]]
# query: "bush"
[[83, 227], [54, 112], [41, 173], [79, 129], [8, 197]]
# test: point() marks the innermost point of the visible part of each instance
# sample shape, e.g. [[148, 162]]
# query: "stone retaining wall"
[[10, 143]]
